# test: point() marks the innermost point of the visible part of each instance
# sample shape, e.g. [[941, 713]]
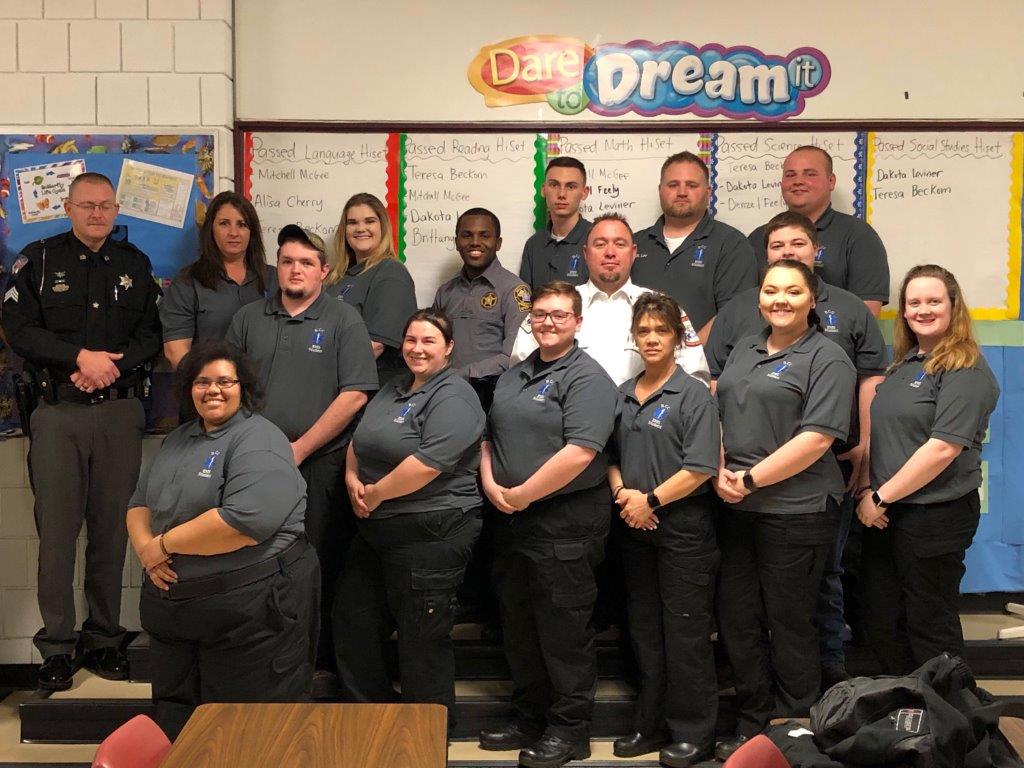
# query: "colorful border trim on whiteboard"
[[400, 205], [1014, 225], [394, 185], [708, 150], [540, 163], [860, 166]]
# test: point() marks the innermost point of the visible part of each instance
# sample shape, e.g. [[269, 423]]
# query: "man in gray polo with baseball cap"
[[317, 367]]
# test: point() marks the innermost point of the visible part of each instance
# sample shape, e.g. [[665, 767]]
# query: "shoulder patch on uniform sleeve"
[[521, 294], [11, 295], [20, 262], [690, 337]]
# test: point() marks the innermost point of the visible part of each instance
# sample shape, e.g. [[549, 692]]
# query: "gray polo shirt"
[[486, 313], [440, 423], [546, 259], [911, 406], [850, 255], [190, 310], [711, 266], [306, 361], [765, 400], [243, 468], [541, 407], [844, 319], [675, 428]]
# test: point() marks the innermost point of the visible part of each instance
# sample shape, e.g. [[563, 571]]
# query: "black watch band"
[[877, 500], [653, 501], [748, 481]]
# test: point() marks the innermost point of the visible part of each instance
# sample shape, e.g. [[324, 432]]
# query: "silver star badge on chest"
[[125, 281]]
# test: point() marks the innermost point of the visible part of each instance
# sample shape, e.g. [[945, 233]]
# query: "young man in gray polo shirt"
[[698, 261], [317, 368], [556, 252], [850, 253]]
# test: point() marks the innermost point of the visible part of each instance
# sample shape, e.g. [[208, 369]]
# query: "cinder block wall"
[[101, 66]]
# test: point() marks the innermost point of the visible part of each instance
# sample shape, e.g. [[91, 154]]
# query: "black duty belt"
[[225, 582], [68, 393]]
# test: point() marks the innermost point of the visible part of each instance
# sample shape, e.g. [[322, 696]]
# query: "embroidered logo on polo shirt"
[[916, 383], [574, 266], [404, 413], [658, 416], [543, 389], [207, 470], [316, 342], [489, 300], [698, 257], [819, 257], [344, 290], [831, 318], [778, 370]]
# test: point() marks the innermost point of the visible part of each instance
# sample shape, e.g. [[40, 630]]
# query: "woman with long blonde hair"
[[922, 507], [367, 274]]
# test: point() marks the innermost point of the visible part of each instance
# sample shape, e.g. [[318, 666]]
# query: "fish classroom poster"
[[42, 189]]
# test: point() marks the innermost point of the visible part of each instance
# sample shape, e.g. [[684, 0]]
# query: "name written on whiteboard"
[[647, 78]]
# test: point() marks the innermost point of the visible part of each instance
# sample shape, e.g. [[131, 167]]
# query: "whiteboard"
[[429, 178], [305, 178], [948, 199]]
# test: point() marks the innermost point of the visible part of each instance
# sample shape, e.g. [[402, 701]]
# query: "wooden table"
[[328, 735]]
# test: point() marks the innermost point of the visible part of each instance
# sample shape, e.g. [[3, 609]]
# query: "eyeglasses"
[[204, 384], [93, 207], [538, 316]]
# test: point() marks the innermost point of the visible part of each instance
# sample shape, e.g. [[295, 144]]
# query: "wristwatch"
[[652, 500], [877, 500], [748, 481]]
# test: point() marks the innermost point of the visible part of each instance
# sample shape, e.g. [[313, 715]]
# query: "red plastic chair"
[[759, 752], [139, 743]]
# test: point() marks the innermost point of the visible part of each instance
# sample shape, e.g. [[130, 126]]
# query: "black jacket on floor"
[[936, 717]]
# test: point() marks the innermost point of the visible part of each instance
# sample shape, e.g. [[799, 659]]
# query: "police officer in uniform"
[[784, 397], [486, 303], [556, 252], [231, 590], [412, 479], [698, 261], [367, 275], [928, 421], [82, 311], [317, 367], [850, 254], [666, 446], [847, 321], [543, 465]]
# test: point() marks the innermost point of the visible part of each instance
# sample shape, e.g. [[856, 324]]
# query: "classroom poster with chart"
[[623, 170], [746, 172], [444, 175], [306, 178], [951, 199]]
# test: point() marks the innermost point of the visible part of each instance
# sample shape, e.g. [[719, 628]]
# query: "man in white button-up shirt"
[[608, 299]]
